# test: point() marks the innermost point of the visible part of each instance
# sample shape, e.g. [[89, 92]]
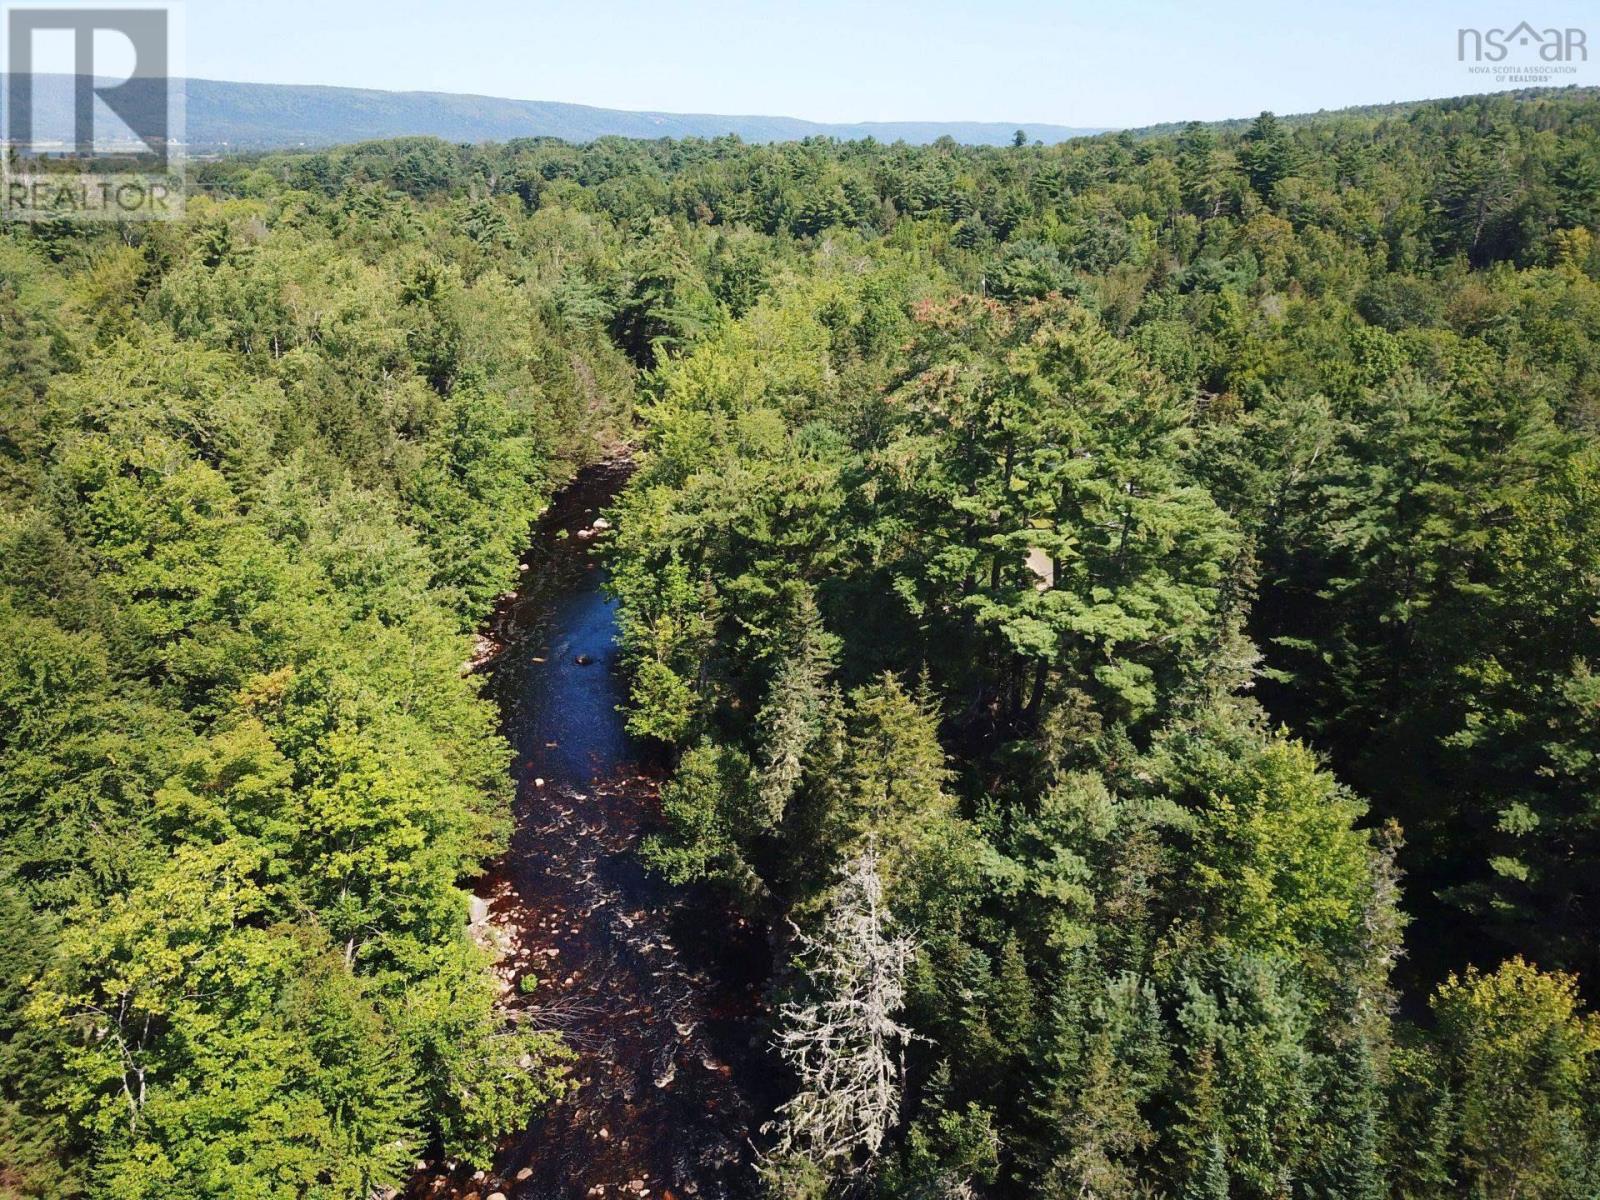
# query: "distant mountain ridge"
[[222, 115]]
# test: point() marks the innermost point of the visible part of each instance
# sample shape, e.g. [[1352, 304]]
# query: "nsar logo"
[[1495, 45]]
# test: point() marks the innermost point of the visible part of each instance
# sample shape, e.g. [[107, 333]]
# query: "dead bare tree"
[[845, 1045]]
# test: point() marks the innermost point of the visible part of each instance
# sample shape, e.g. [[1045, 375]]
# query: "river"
[[657, 989]]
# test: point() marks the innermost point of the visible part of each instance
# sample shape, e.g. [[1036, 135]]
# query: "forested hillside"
[[227, 116], [1122, 614], [260, 474]]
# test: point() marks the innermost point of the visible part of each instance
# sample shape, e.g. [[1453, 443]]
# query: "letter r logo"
[[140, 101]]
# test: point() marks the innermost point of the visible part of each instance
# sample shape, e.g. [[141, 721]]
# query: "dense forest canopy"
[[1125, 613]]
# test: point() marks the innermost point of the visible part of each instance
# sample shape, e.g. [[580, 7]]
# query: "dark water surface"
[[656, 988]]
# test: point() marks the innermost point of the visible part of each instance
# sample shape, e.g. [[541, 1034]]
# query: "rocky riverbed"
[[656, 989]]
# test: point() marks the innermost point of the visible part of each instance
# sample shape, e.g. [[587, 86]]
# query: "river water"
[[656, 989]]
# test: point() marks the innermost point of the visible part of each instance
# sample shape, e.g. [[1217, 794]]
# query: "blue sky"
[[1069, 62]]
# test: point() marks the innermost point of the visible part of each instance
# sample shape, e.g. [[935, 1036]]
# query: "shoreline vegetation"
[[1124, 612]]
